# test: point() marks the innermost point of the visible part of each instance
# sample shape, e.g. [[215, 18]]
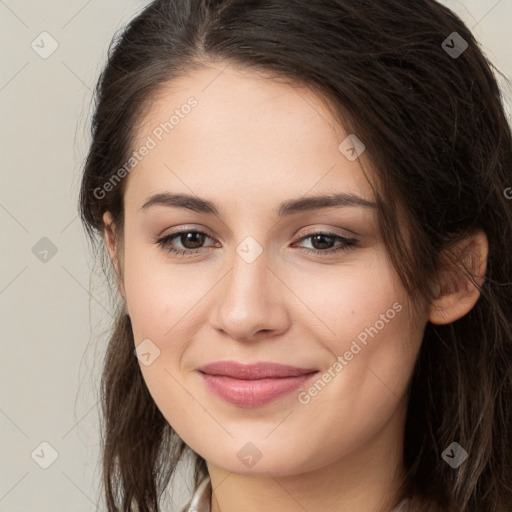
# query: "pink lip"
[[255, 384]]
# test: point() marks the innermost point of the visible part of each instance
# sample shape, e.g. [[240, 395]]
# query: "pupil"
[[321, 237], [189, 237]]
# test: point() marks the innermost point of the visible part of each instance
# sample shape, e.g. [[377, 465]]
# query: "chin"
[[255, 459]]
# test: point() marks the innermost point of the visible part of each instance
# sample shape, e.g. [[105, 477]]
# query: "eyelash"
[[347, 243]]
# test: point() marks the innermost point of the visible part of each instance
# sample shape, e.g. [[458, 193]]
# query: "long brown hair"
[[435, 130]]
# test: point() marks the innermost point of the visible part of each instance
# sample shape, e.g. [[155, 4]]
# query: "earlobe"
[[456, 293], [113, 250]]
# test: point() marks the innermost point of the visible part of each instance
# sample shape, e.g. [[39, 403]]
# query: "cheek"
[[366, 385], [362, 317], [343, 300], [164, 301], [160, 295], [161, 301]]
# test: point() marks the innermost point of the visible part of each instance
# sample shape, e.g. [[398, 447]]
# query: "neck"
[[365, 480]]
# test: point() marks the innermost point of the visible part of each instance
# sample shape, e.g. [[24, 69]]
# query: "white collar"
[[200, 501]]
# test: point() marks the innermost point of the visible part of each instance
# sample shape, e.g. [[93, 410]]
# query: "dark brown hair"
[[436, 133]]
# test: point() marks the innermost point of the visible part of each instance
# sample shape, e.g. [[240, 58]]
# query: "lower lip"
[[253, 393]]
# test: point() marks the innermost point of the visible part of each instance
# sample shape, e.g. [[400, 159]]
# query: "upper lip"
[[260, 370]]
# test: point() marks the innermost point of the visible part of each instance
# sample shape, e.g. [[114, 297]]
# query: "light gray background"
[[54, 315]]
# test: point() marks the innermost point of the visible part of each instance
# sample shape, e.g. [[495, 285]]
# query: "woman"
[[305, 204]]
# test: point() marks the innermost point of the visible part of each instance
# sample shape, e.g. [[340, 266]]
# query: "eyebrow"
[[289, 207]]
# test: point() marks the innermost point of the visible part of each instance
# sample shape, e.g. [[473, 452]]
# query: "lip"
[[253, 385]]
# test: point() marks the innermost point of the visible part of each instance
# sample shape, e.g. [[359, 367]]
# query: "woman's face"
[[258, 286]]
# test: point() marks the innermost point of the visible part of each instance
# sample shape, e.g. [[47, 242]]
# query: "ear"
[[456, 292], [113, 250]]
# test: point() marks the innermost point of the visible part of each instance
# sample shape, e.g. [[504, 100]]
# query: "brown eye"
[[191, 241], [323, 243]]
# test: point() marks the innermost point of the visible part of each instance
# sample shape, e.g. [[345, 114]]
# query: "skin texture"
[[250, 144]]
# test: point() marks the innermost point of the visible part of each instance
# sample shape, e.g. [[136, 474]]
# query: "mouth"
[[253, 385]]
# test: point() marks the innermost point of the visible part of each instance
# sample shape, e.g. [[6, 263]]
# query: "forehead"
[[246, 133]]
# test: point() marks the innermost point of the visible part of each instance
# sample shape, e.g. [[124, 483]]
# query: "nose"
[[251, 301]]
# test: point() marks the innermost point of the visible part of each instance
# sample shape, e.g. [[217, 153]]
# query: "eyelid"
[[187, 227], [328, 231]]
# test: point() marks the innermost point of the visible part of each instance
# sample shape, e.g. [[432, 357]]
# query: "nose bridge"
[[248, 280], [249, 302]]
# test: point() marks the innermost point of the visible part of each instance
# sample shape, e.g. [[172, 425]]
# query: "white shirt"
[[200, 501]]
